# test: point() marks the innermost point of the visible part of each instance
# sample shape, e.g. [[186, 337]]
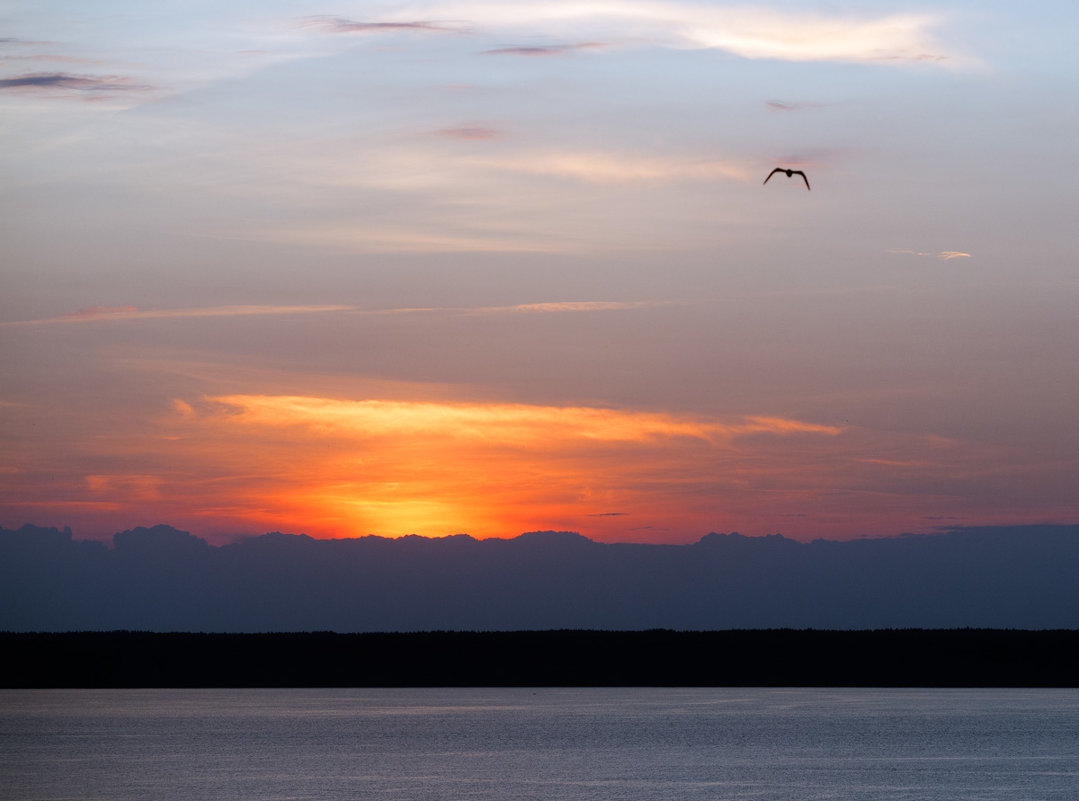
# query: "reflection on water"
[[549, 744]]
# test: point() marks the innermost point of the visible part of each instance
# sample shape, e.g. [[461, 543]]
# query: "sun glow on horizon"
[[395, 467]]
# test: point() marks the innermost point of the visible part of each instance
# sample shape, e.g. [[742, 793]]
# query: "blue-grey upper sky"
[[440, 267]]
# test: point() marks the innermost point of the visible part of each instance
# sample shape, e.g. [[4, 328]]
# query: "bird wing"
[[799, 172], [773, 172]]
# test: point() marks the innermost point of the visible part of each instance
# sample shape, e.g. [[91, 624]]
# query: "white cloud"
[[743, 30]]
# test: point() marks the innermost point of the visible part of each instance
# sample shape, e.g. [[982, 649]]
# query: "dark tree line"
[[806, 658]]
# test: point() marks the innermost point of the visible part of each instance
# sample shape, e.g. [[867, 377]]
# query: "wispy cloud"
[[612, 167], [471, 132], [342, 25], [505, 423], [777, 105], [62, 81], [555, 307], [577, 306], [542, 50], [481, 200], [552, 307], [57, 59], [746, 31], [942, 255], [95, 314], [782, 425], [397, 466], [350, 238], [101, 314]]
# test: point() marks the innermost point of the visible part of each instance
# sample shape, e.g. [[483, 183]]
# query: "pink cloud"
[[92, 312], [471, 132]]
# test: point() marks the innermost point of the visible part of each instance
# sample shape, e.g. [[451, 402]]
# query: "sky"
[[352, 268]]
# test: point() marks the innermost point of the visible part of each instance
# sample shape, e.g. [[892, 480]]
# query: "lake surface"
[[543, 744]]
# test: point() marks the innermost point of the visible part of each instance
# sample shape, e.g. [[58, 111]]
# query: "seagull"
[[789, 174]]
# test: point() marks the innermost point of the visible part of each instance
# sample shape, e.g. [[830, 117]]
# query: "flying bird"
[[789, 174]]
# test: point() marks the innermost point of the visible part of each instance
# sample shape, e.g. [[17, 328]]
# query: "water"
[[549, 744]]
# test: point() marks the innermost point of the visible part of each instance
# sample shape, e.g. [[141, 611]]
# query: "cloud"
[[503, 423], [555, 307], [776, 105], [780, 425], [471, 132], [942, 255], [576, 306], [541, 50], [96, 314], [351, 238], [92, 312], [58, 81], [612, 167], [57, 59], [747, 31], [394, 466], [341, 25], [112, 313]]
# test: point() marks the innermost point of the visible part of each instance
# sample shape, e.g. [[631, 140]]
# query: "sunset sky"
[[488, 267]]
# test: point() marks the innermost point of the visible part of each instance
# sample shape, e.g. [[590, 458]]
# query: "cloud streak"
[[471, 132], [604, 167], [342, 25], [98, 314], [105, 314], [62, 81], [777, 105], [745, 31], [505, 424], [56, 59], [542, 50], [942, 255], [576, 306]]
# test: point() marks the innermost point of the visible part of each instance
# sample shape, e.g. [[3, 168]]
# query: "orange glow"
[[244, 464], [392, 467]]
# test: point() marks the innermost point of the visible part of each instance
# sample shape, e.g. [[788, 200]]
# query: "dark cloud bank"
[[163, 580], [46, 81]]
